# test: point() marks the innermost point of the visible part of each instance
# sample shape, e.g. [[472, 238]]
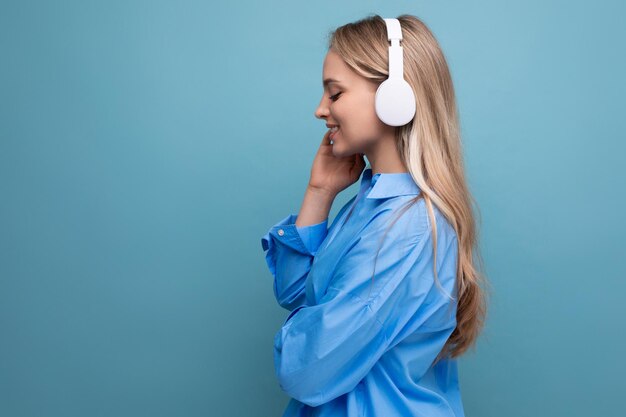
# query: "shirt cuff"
[[306, 239], [313, 235]]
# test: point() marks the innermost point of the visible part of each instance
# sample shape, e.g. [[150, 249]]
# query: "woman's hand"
[[333, 174]]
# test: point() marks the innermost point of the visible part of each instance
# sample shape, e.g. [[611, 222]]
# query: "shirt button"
[[281, 232]]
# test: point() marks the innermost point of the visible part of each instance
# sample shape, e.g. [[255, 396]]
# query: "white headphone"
[[395, 101]]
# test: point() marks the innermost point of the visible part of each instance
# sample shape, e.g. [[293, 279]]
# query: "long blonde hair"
[[430, 147]]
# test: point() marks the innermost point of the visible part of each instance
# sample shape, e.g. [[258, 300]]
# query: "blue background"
[[146, 146]]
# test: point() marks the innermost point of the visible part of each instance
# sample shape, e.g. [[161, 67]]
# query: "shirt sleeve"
[[290, 253], [323, 351]]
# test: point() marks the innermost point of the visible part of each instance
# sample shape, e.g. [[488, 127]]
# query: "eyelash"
[[335, 97]]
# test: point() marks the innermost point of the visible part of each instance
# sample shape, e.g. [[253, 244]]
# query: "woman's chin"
[[336, 150], [341, 153]]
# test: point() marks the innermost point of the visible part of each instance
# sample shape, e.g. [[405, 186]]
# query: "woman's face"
[[348, 102]]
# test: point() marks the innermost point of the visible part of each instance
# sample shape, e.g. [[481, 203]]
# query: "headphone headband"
[[394, 35], [394, 31]]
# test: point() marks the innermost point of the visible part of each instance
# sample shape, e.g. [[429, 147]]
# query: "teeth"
[[334, 128]]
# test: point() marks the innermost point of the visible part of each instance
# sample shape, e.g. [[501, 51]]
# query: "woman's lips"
[[332, 134]]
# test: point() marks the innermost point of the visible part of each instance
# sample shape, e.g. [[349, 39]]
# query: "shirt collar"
[[386, 185]]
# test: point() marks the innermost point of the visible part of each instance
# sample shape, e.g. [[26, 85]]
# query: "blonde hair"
[[430, 147]]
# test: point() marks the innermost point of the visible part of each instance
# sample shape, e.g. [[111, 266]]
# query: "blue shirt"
[[354, 345]]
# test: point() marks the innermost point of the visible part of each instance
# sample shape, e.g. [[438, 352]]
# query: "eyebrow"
[[329, 80]]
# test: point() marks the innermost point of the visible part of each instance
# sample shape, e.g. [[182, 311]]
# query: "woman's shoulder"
[[408, 218], [397, 237], [398, 215]]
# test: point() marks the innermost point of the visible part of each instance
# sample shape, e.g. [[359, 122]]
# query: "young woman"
[[384, 301]]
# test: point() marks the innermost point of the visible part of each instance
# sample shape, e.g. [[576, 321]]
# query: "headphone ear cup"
[[395, 102]]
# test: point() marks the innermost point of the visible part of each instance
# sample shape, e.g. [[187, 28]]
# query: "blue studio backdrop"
[[146, 146]]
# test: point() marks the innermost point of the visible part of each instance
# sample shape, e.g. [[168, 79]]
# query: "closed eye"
[[335, 97]]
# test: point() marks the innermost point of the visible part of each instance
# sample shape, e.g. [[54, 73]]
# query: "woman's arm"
[[290, 252], [292, 243], [315, 206]]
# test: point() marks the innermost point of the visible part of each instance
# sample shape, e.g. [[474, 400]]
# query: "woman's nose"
[[321, 112]]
